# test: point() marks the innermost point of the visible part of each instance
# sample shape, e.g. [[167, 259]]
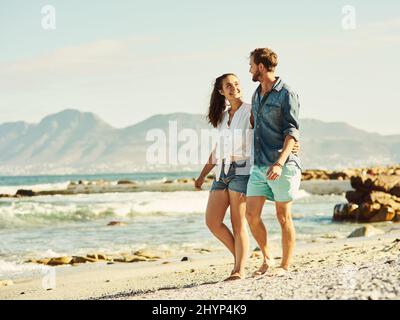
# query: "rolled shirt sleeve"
[[291, 108]]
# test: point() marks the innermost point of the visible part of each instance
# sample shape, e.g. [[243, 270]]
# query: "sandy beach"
[[352, 268]]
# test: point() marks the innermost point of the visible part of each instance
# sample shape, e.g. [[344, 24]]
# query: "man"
[[276, 173]]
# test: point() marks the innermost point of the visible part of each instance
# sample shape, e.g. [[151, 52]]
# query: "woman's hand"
[[274, 172], [198, 183]]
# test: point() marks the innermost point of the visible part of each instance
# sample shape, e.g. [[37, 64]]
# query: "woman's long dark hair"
[[217, 102]]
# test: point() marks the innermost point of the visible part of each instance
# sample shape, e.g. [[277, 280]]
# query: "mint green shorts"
[[283, 189]]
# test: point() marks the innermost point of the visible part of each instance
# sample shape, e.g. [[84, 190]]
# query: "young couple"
[[255, 159]]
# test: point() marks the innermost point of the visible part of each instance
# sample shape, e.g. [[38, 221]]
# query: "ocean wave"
[[36, 187], [13, 270], [45, 209]]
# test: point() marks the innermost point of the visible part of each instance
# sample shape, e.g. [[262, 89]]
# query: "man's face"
[[254, 70]]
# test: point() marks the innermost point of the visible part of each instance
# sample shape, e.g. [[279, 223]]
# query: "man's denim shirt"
[[276, 115]]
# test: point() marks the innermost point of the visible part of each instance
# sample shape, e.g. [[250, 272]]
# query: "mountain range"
[[72, 141]]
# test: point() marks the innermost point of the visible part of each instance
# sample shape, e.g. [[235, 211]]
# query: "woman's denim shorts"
[[231, 181]]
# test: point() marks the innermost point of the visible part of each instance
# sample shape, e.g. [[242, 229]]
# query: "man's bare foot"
[[235, 276], [279, 272], [263, 269]]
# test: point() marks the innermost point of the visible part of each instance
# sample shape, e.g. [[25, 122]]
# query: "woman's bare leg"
[[218, 203], [239, 225]]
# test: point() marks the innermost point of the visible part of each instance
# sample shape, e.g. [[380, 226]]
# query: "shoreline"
[[316, 273], [319, 187]]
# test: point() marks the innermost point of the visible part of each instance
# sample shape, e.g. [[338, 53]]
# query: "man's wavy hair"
[[265, 56]]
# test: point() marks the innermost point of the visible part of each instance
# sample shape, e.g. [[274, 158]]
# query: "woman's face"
[[231, 88]]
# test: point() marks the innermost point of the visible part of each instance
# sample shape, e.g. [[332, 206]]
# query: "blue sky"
[[128, 60]]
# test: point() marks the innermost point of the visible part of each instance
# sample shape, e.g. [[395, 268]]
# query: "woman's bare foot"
[[235, 276]]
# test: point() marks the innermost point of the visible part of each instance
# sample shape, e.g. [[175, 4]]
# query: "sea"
[[172, 222]]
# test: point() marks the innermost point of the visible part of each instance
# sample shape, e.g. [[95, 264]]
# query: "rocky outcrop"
[[375, 198], [349, 173], [138, 256], [101, 186], [25, 193]]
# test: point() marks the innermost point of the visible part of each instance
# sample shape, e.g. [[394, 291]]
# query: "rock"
[[78, 259], [380, 197], [368, 183], [147, 254], [97, 256], [394, 246], [185, 259], [365, 231], [25, 193], [6, 283], [202, 250], [38, 261], [338, 176], [117, 224], [383, 209], [384, 214], [89, 258], [134, 258], [130, 259], [126, 182], [59, 261]]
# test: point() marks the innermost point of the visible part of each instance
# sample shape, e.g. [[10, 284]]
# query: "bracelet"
[[278, 164]]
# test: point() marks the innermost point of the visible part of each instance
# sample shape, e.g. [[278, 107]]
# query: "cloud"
[[102, 53], [390, 24]]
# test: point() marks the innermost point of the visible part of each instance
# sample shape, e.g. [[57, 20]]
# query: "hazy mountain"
[[73, 141]]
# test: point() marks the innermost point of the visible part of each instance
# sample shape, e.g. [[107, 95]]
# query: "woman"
[[231, 157]]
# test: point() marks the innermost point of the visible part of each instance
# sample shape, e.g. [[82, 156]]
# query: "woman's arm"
[[211, 163]]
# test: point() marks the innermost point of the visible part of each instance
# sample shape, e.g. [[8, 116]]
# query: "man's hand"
[[274, 172], [198, 183], [296, 148]]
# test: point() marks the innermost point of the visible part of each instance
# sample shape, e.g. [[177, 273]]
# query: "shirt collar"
[[278, 85]]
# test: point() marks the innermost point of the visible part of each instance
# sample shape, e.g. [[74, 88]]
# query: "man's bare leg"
[[254, 206], [284, 215]]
